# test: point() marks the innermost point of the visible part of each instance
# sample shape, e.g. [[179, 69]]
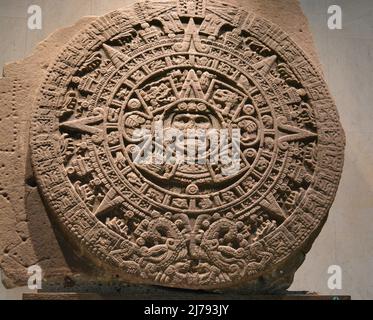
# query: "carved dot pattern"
[[188, 65]]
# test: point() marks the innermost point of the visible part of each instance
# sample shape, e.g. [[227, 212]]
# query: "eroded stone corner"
[[26, 234]]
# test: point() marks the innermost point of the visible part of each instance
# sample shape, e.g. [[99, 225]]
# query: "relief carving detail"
[[187, 65]]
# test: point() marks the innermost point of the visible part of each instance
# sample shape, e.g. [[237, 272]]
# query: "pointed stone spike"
[[192, 41], [271, 205], [192, 87], [114, 55], [265, 65], [110, 201], [83, 125], [191, 27], [292, 133]]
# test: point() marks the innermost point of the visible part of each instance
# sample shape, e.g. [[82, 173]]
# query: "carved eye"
[[201, 120], [182, 119]]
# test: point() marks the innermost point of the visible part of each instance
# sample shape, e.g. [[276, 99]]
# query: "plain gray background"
[[346, 56]]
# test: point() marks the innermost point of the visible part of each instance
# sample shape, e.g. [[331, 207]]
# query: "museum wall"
[[345, 55]]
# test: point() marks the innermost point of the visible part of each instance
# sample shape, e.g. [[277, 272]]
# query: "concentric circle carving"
[[187, 65]]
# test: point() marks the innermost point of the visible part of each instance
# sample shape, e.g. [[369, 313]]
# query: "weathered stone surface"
[[27, 236], [211, 66]]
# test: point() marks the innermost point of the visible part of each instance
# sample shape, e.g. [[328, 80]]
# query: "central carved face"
[[194, 126], [190, 121]]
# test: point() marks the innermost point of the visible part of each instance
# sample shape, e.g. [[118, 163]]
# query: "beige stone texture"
[[350, 217], [29, 237]]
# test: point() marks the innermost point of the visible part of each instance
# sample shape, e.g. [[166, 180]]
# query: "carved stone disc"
[[187, 65]]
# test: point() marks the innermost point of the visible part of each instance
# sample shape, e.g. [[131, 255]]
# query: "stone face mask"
[[191, 65]]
